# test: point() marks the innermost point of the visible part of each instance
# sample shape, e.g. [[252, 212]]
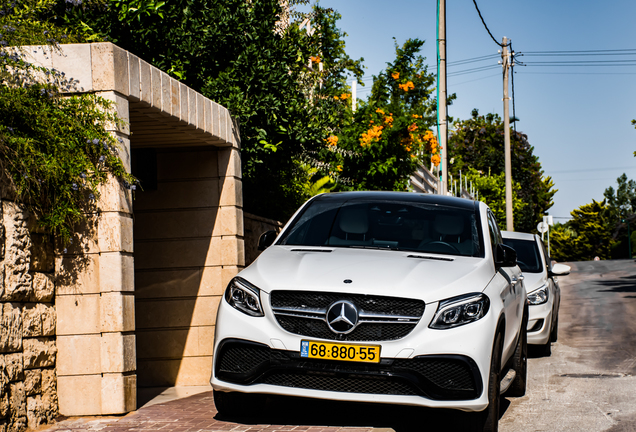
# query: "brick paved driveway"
[[197, 413]]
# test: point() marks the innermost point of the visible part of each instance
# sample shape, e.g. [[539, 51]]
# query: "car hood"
[[378, 272]]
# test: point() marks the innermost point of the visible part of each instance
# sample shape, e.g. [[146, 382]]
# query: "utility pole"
[[441, 100], [354, 94], [508, 165]]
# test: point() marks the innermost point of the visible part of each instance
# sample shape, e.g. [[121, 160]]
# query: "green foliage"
[[242, 55], [54, 149], [380, 145], [492, 191], [621, 203], [583, 237], [479, 143]]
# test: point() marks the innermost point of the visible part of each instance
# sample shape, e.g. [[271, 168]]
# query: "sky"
[[577, 118]]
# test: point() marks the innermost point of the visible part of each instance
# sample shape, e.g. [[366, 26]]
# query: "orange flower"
[[336, 97], [339, 167], [395, 75], [412, 128], [435, 160], [406, 87], [415, 116], [332, 140], [315, 59], [388, 120], [380, 111], [345, 96], [373, 134]]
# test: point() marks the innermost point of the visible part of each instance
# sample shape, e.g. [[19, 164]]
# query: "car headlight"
[[461, 310], [245, 297], [539, 296]]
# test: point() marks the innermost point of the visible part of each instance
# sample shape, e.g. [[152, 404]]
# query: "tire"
[[545, 350], [520, 364], [488, 419], [233, 404], [554, 334]]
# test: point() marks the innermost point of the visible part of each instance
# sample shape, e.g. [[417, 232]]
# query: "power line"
[[581, 51], [472, 60], [473, 70], [484, 23]]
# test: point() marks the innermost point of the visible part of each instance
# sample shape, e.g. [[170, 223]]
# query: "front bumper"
[[431, 368], [539, 323]]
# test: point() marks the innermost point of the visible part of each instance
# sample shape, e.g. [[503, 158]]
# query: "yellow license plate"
[[339, 351]]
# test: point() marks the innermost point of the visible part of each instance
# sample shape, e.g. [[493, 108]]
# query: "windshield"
[[387, 224], [528, 257]]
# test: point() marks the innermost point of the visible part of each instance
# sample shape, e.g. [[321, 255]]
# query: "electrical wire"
[[473, 70], [484, 23]]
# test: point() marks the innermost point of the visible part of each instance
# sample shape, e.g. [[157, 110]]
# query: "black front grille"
[[435, 377], [299, 323], [368, 303], [341, 384]]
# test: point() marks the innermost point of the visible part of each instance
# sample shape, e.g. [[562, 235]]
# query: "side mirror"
[[266, 240], [559, 270], [505, 256]]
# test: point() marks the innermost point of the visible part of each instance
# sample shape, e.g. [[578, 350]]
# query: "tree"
[[583, 237], [380, 145], [244, 55], [479, 143], [54, 148], [621, 204]]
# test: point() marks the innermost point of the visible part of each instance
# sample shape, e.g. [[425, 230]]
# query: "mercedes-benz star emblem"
[[342, 317]]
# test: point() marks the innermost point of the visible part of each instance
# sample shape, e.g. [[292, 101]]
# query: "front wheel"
[[520, 364]]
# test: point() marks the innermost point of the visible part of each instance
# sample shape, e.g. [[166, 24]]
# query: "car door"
[[512, 291], [552, 280]]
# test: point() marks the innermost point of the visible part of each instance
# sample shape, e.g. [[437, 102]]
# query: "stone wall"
[[28, 384]]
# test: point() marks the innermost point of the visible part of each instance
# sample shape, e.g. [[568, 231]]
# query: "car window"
[[528, 257], [548, 261], [495, 234], [387, 224]]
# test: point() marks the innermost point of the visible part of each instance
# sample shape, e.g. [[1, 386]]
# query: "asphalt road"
[[588, 382]]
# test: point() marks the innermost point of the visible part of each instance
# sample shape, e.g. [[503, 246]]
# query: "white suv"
[[389, 297]]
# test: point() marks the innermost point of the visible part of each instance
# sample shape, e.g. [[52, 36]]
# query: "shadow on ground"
[[279, 410]]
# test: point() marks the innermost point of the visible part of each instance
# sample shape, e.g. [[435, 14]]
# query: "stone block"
[[223, 117], [200, 112], [4, 408], [78, 314], [176, 343], [145, 77], [176, 283], [177, 313], [231, 191], [166, 373], [215, 119], [208, 121], [123, 149], [31, 320], [192, 164], [175, 104], [77, 274], [109, 68], [33, 382], [180, 194], [117, 312], [118, 353], [166, 94], [229, 162], [232, 251], [192, 108], [10, 328], [172, 254], [79, 355], [115, 232], [121, 108], [49, 319], [75, 61], [117, 272], [43, 287], [183, 103], [119, 393], [17, 280], [176, 224], [49, 382], [80, 395], [38, 352], [14, 367], [155, 87], [113, 197], [229, 222], [134, 78], [17, 400], [235, 133], [36, 414], [42, 253]]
